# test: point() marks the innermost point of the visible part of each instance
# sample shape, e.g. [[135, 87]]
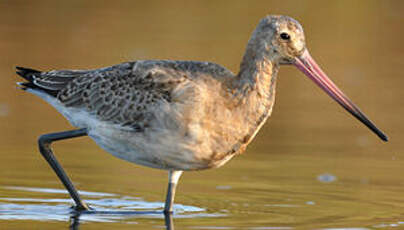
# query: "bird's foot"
[[81, 208], [168, 211]]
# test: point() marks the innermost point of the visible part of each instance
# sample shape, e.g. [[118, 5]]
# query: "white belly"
[[156, 150]]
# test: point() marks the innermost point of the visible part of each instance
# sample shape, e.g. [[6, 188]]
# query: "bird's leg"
[[44, 143], [173, 177]]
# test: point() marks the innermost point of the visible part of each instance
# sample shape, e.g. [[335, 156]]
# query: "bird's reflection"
[[74, 222], [75, 217]]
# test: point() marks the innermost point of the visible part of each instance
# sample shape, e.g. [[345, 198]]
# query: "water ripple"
[[109, 207]]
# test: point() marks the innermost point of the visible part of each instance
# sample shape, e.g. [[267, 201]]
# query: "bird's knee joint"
[[44, 140]]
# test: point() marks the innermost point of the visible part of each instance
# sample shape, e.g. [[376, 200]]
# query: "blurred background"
[[311, 166]]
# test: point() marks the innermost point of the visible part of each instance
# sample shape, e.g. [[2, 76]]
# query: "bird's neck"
[[257, 75], [254, 88]]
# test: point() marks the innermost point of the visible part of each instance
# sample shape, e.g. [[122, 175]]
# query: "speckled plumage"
[[127, 94]]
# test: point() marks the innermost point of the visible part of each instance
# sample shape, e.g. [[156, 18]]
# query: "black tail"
[[30, 75], [27, 74]]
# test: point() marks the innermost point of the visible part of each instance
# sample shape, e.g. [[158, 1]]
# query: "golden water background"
[[278, 181]]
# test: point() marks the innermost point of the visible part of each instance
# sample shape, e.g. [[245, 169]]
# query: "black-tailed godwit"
[[178, 115]]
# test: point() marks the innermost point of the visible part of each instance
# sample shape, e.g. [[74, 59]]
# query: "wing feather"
[[128, 94], [121, 96]]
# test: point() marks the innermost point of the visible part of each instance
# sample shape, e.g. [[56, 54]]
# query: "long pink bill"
[[308, 66]]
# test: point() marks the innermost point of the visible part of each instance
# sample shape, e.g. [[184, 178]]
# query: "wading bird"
[[178, 115]]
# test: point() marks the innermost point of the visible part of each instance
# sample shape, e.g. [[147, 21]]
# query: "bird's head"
[[285, 38], [281, 40]]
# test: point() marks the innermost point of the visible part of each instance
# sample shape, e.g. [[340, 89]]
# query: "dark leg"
[[44, 143], [168, 219], [173, 177]]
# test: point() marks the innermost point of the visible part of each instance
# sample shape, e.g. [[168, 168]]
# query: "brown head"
[[281, 40]]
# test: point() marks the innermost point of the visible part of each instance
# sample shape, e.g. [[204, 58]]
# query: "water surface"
[[311, 167]]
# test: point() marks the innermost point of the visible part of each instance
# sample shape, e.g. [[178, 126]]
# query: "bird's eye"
[[285, 36]]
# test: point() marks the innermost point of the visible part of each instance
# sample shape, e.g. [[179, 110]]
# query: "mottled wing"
[[129, 94], [119, 95]]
